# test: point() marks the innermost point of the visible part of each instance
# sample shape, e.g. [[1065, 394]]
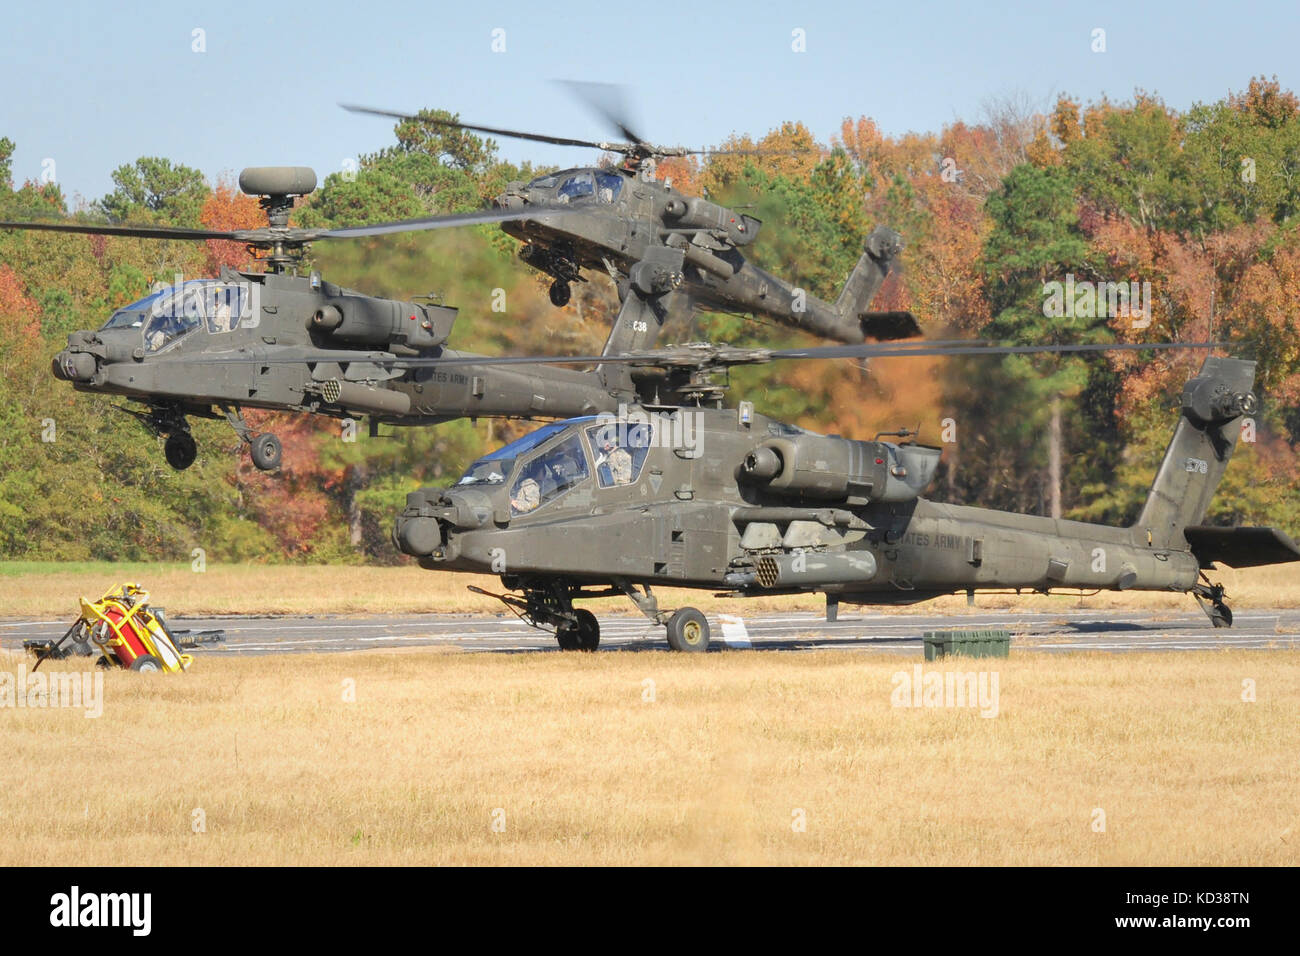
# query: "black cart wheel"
[[147, 664], [688, 630], [560, 293], [588, 630], [266, 450], [180, 450], [80, 644]]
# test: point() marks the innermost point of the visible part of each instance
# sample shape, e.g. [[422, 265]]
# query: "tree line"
[[1155, 223]]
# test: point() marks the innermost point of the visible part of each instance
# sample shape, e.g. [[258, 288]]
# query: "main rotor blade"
[[700, 356], [606, 101], [703, 355], [724, 356], [443, 222], [143, 232], [490, 130], [266, 236]]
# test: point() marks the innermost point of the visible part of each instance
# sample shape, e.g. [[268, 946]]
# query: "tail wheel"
[[1221, 615], [688, 630], [147, 664], [560, 293]]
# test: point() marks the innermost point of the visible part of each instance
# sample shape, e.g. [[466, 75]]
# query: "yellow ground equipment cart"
[[127, 633]]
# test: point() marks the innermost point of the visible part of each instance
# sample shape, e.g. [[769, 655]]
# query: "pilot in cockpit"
[[614, 457]]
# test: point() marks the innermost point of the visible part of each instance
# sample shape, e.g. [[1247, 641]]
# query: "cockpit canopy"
[[169, 313], [544, 464], [573, 185]]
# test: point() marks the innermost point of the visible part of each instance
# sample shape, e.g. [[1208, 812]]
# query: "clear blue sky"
[[92, 87]]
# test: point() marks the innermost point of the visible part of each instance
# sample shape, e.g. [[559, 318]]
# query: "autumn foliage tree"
[[1199, 203]]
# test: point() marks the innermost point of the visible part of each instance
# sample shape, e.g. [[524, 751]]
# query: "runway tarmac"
[[857, 630]]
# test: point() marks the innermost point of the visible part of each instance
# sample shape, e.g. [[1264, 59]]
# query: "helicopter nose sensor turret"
[[514, 197], [75, 366]]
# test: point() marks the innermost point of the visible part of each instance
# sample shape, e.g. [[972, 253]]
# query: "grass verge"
[[660, 759]]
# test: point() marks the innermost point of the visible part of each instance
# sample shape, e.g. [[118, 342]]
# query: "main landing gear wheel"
[[582, 636], [180, 450], [588, 630], [266, 451], [560, 293], [688, 630]]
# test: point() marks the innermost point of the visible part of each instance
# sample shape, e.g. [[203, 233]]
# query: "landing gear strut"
[[688, 629], [1210, 598], [264, 448], [179, 448], [551, 605]]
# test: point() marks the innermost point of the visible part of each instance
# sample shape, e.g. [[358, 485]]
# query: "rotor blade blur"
[[140, 232], [490, 130], [606, 100]]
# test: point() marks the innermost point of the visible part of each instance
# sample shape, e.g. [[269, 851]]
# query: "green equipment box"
[[967, 643]]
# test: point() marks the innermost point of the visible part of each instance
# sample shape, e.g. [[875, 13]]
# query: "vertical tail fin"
[[883, 248], [1208, 427], [637, 326]]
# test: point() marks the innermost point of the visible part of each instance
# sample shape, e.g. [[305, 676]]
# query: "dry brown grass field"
[[576, 766], [51, 591]]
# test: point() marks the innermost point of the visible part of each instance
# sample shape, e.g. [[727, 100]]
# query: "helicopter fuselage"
[[645, 231], [732, 501], [296, 343], [708, 500]]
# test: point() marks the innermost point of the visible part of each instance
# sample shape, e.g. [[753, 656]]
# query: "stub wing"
[[1241, 547]]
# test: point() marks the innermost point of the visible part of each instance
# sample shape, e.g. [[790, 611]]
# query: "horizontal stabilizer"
[[889, 326], [1240, 547]]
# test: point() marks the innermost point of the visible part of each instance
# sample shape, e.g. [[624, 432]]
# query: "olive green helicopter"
[[731, 501], [670, 253]]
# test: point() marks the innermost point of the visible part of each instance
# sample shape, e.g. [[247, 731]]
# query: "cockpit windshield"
[[549, 474], [608, 186], [176, 314], [577, 186], [494, 467], [171, 312], [133, 316]]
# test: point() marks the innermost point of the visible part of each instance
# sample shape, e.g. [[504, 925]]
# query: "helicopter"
[[735, 502], [669, 253], [279, 340]]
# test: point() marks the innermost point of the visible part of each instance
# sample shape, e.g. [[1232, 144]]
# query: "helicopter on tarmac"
[[275, 339], [670, 253], [730, 500]]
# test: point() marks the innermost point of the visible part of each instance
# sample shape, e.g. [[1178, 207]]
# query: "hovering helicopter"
[[278, 340], [669, 252], [732, 501]]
